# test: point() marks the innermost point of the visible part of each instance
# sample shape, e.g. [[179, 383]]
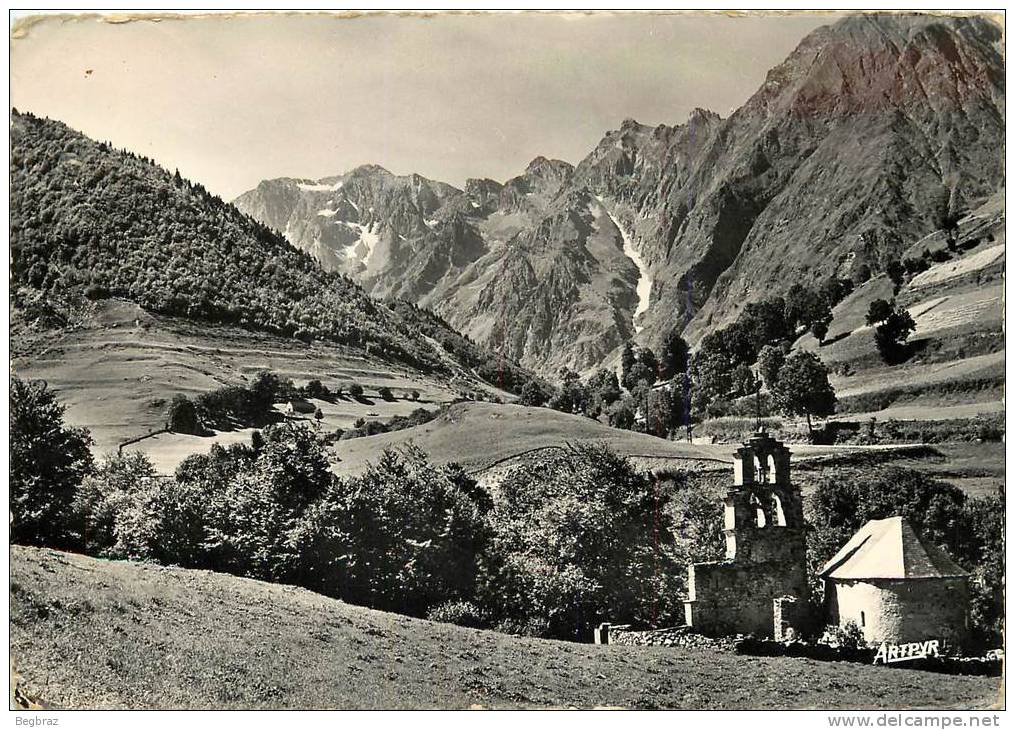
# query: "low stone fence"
[[682, 636], [120, 446]]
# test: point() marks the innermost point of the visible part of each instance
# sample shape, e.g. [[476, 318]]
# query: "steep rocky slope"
[[834, 166]]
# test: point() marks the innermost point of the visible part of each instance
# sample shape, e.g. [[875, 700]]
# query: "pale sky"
[[233, 101]]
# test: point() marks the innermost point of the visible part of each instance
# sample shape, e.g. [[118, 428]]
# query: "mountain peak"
[[875, 62], [698, 114], [541, 164], [369, 170]]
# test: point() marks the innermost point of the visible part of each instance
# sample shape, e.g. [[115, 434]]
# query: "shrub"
[[385, 393], [848, 637], [460, 613], [182, 416], [356, 390], [734, 429]]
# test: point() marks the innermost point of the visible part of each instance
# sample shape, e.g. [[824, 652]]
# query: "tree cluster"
[[727, 363], [405, 535], [574, 537], [635, 400]]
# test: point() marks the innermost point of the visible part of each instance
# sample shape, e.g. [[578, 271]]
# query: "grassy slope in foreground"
[[97, 634]]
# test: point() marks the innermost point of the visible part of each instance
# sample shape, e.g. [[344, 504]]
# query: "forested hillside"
[[89, 221]]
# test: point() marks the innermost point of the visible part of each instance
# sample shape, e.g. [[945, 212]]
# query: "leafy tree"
[[603, 391], [572, 396], [744, 381], [819, 328], [675, 356], [770, 361], [183, 416], [946, 217], [878, 311], [316, 389], [627, 361], [764, 323], [644, 370], [533, 394], [894, 325], [798, 303], [213, 471], [356, 390], [577, 540], [48, 461], [664, 411], [897, 273], [622, 413], [130, 512], [803, 388], [255, 522], [834, 290], [404, 536], [694, 511], [385, 393], [712, 366], [267, 386], [985, 556]]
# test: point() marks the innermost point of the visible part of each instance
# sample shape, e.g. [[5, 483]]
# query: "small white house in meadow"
[[297, 406]]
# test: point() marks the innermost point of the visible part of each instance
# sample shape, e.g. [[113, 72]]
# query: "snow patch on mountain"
[[320, 187], [644, 286], [363, 248]]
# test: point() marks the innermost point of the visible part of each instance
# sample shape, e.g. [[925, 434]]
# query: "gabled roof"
[[890, 548]]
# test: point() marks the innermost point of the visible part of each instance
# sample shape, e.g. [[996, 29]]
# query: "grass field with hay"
[[88, 633]]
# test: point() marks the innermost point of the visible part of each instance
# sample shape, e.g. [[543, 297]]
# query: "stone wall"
[[681, 636], [898, 611], [736, 598]]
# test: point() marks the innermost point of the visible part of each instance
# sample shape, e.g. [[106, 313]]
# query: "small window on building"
[[863, 619]]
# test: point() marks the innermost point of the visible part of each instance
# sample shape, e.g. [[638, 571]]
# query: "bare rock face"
[[835, 162], [831, 167]]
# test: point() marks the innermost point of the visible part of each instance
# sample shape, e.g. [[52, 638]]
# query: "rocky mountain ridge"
[[831, 168]]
